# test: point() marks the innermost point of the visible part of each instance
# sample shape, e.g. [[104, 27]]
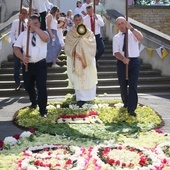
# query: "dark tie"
[[22, 27], [92, 23], [33, 41], [124, 44]]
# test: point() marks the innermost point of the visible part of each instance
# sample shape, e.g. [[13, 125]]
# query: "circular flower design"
[[124, 156], [81, 29], [51, 157], [163, 151]]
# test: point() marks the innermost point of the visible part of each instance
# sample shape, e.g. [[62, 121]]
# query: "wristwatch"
[[132, 29]]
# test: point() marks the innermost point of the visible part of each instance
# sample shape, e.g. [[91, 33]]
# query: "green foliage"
[[116, 121]]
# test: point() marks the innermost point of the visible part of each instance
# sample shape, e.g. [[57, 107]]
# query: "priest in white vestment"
[[80, 48]]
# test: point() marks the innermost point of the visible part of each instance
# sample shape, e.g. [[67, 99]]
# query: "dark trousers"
[[42, 20], [17, 66], [100, 47], [129, 95], [36, 76]]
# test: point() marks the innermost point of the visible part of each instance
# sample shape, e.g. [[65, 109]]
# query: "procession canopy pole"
[[94, 8], [127, 76], [28, 36], [19, 26]]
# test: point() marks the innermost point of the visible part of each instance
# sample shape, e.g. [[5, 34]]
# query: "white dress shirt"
[[14, 30], [133, 44], [78, 11], [84, 7], [37, 52], [98, 23], [41, 5]]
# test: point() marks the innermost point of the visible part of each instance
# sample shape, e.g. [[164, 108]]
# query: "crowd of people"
[[83, 30]]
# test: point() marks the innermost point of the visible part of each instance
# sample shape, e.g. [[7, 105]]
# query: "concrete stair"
[[150, 81]]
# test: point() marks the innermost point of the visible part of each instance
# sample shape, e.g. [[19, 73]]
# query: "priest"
[[80, 48]]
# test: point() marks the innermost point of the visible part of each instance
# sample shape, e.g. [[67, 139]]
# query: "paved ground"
[[8, 106]]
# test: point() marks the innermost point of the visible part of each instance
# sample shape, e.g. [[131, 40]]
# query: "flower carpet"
[[99, 136]]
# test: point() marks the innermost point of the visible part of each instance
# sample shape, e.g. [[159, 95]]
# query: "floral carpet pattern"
[[99, 136]]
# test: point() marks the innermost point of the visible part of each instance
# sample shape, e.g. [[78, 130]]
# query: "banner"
[[158, 50], [115, 29], [150, 52], [141, 48], [162, 52]]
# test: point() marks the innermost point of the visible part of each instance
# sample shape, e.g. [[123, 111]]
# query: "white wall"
[[65, 5], [118, 5]]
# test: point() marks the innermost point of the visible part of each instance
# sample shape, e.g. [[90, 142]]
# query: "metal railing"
[[4, 35]]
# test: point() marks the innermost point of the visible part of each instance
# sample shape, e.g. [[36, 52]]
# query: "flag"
[[150, 52], [141, 47], [115, 29], [5, 38], [158, 50], [164, 53]]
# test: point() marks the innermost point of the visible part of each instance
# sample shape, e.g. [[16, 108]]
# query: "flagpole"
[[28, 36], [127, 76], [19, 26], [94, 10]]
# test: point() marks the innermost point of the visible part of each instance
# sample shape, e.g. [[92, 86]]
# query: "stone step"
[[101, 82], [150, 81], [63, 76], [61, 91], [10, 70], [102, 62], [105, 56]]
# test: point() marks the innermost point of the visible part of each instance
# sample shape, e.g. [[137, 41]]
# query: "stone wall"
[[155, 17]]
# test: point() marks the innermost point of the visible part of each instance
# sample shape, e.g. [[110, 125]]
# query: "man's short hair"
[[77, 16], [89, 6], [35, 16]]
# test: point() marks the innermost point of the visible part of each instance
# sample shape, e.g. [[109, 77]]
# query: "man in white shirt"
[[94, 22], [84, 11], [129, 97], [37, 68], [14, 35], [41, 6]]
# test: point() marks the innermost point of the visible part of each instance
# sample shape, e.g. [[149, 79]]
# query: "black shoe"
[[44, 114], [33, 106], [80, 103], [132, 113], [18, 87]]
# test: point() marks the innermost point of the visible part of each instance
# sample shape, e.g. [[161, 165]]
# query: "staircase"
[[150, 81]]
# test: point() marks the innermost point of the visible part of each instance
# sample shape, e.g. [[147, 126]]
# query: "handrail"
[[8, 23], [3, 36], [161, 44]]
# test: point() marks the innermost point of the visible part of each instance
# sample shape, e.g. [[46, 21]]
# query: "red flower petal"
[[111, 161], [1, 143], [16, 136], [32, 130], [68, 162]]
